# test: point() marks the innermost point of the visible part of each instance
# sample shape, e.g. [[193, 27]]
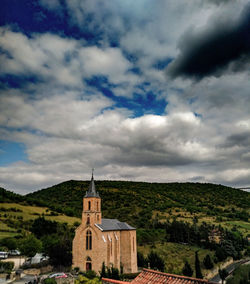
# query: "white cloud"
[[61, 61], [69, 127]]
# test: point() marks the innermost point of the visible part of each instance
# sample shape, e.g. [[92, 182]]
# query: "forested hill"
[[8, 196], [139, 202]]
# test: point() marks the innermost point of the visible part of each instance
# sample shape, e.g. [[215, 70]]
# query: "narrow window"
[[97, 206], [133, 244], [98, 218], [89, 205], [88, 220], [88, 240], [111, 247]]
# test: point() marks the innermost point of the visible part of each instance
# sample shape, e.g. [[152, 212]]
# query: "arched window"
[[88, 220], [98, 218], [97, 205], [88, 264], [88, 240], [89, 203]]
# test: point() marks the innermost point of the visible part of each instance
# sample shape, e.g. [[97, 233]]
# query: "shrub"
[[6, 267], [49, 281], [187, 270], [155, 261], [208, 262]]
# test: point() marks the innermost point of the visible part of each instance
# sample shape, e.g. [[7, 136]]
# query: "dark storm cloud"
[[225, 47], [218, 2], [240, 139]]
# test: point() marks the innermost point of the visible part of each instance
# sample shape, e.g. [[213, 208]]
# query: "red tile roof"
[[107, 281], [148, 276]]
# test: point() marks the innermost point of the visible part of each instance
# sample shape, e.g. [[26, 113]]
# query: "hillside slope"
[[140, 202]]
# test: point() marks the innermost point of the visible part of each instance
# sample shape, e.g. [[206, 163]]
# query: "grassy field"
[[7, 211], [242, 226], [175, 255], [32, 212], [182, 215]]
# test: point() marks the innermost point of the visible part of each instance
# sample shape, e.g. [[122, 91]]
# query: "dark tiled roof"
[[155, 277], [113, 225], [92, 190]]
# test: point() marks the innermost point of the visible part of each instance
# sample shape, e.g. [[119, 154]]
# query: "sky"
[[143, 90]]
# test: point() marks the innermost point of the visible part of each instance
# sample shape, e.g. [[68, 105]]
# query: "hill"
[[140, 203], [156, 209], [8, 196], [17, 213]]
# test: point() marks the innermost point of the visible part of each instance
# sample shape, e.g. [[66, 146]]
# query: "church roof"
[[113, 225], [155, 277], [92, 190]]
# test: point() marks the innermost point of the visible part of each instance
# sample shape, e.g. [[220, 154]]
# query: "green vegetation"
[[30, 245], [108, 272], [175, 255], [241, 275], [142, 201], [208, 262], [6, 267], [198, 273], [173, 220], [187, 270], [56, 240], [155, 261], [16, 219], [223, 274], [84, 280]]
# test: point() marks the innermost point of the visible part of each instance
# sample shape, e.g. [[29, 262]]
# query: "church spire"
[[92, 190]]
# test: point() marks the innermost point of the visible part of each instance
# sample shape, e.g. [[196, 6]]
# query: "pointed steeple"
[[92, 191]]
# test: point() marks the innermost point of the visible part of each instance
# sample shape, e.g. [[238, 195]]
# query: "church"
[[99, 240]]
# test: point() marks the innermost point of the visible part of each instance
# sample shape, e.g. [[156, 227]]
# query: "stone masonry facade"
[[99, 240]]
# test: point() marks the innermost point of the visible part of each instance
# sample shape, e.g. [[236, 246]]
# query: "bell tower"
[[91, 213]]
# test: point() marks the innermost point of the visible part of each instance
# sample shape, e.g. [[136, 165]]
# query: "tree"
[[10, 243], [197, 266], [59, 249], [208, 262], [59, 246], [141, 261], [220, 254], [115, 273], [187, 270], [41, 227], [103, 271], [155, 261], [223, 274], [30, 245]]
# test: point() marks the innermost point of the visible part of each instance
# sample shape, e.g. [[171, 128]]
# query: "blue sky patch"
[[139, 104], [162, 64], [11, 152]]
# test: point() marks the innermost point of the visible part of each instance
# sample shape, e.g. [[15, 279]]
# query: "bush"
[[6, 267], [208, 262], [155, 261], [220, 254], [49, 281], [187, 270], [91, 274], [141, 260], [84, 280]]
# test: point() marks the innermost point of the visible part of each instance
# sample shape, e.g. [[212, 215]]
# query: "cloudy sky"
[[140, 90]]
